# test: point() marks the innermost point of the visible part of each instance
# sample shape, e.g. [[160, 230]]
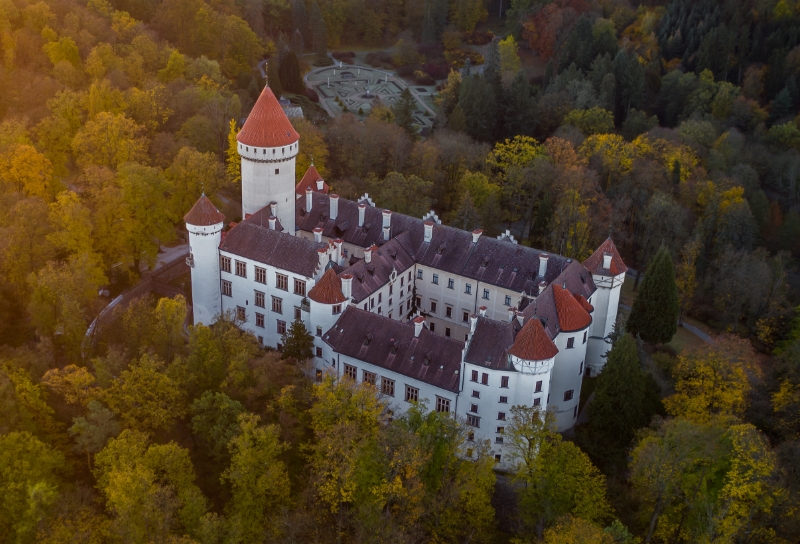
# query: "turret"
[[327, 301], [268, 145], [533, 356], [204, 223], [608, 272]]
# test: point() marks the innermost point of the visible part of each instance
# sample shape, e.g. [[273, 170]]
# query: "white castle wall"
[[606, 303], [268, 175], [567, 376], [204, 254]]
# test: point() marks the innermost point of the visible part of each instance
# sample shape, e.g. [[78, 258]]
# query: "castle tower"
[[327, 300], [608, 272], [204, 223], [533, 356], [268, 146]]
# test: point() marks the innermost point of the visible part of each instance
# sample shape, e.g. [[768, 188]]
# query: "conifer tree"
[[298, 343], [457, 122], [467, 217], [319, 32], [298, 43], [618, 407], [404, 112], [300, 18], [274, 78], [491, 62], [654, 316], [477, 100], [289, 71], [519, 110], [233, 167]]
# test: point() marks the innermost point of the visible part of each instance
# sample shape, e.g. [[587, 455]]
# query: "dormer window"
[[368, 338]]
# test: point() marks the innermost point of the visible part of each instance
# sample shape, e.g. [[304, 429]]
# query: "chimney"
[[511, 313], [607, 261], [542, 285], [521, 318], [368, 254], [272, 223], [318, 234], [473, 322], [476, 234], [543, 264], [387, 218], [428, 231], [337, 244], [482, 311], [347, 285], [320, 184], [334, 200], [362, 210], [386, 235], [419, 321], [322, 255], [309, 198], [273, 208]]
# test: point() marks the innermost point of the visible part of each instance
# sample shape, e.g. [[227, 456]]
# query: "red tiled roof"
[[328, 289], [267, 124], [571, 314], [310, 180], [594, 264], [532, 343], [203, 213], [583, 302]]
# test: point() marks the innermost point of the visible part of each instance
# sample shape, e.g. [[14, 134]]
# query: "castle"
[[422, 311]]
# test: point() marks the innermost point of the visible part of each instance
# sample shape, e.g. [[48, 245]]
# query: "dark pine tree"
[[319, 33], [298, 344], [477, 100], [300, 18], [290, 74], [274, 78], [467, 217], [298, 43], [404, 112], [519, 108], [654, 316]]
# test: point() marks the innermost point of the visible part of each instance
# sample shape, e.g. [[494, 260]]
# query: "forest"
[[671, 126]]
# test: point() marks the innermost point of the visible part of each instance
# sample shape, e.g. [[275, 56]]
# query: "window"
[[372, 302], [498, 439], [537, 401], [225, 263], [319, 352], [240, 314], [448, 311], [282, 282], [418, 302], [501, 430], [486, 294], [261, 340], [485, 379], [402, 279], [419, 274], [241, 269], [497, 458], [318, 375], [442, 405], [260, 320], [574, 412], [227, 288], [470, 437], [432, 327], [464, 316], [366, 306], [277, 305], [408, 305], [350, 372], [281, 327], [261, 275], [451, 283], [435, 279], [370, 377], [501, 416], [409, 275], [508, 300], [447, 332], [504, 382], [476, 394], [260, 299], [468, 289], [337, 309], [390, 289], [297, 315], [380, 311], [473, 408], [473, 421], [474, 375], [387, 387], [568, 394], [503, 400], [584, 337], [299, 287], [390, 302], [278, 170], [538, 387], [571, 342], [380, 298], [412, 394], [581, 370], [319, 331]]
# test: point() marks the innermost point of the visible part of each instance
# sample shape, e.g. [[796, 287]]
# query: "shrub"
[[478, 38], [421, 78], [379, 59], [344, 56], [311, 95]]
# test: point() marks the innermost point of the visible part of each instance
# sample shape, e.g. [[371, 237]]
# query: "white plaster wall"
[[261, 185], [322, 316], [606, 305], [567, 375], [204, 248]]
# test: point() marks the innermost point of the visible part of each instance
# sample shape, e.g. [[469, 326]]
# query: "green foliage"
[[298, 344], [93, 431], [289, 72], [409, 195], [214, 420], [404, 111], [655, 311], [591, 121]]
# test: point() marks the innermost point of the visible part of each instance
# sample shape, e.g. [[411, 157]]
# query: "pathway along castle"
[[496, 324]]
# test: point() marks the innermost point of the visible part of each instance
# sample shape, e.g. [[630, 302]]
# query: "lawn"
[[683, 340]]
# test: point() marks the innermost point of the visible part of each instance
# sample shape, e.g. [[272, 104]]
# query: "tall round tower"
[[204, 223], [268, 146]]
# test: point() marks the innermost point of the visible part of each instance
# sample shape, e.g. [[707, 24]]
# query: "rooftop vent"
[[371, 269], [368, 338], [485, 261], [442, 247], [393, 346]]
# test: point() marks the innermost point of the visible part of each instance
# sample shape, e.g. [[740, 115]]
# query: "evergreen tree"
[[780, 107], [618, 407], [300, 18], [290, 74], [654, 316], [298, 43], [404, 112], [434, 19], [233, 164], [457, 122], [519, 108], [629, 75], [467, 217], [319, 32], [274, 78], [491, 62], [477, 100], [298, 344]]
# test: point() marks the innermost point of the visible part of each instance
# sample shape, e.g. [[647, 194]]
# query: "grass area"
[[627, 294], [587, 388], [683, 340]]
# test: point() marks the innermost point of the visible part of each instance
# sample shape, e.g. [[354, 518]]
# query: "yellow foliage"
[[571, 530], [518, 152], [72, 382]]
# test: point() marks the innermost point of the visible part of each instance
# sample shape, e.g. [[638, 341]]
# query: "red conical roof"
[[328, 289], [267, 124], [583, 302], [203, 213], [571, 314], [310, 179], [532, 343], [594, 264]]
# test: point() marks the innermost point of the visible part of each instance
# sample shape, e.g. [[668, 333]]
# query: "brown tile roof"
[[583, 302], [595, 263], [368, 278], [267, 124], [571, 314], [310, 179], [328, 289], [391, 344], [203, 213], [532, 343], [489, 343]]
